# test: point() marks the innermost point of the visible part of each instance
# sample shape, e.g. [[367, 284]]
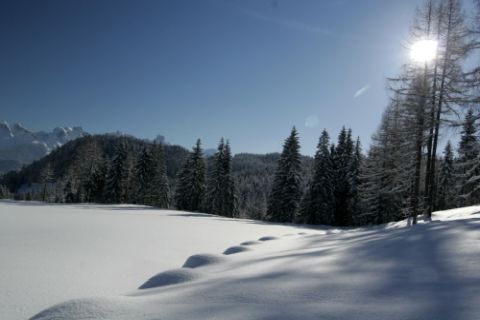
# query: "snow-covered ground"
[[55, 253], [52, 253]]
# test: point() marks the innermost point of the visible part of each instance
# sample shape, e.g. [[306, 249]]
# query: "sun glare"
[[423, 51]]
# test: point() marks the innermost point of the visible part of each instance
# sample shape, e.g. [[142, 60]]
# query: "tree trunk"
[[432, 183]]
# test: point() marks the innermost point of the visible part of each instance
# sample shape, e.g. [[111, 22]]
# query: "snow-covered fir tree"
[[220, 198], [95, 183], [46, 178], [343, 158], [93, 172], [213, 197], [144, 174], [356, 164], [468, 165], [190, 190], [160, 185], [116, 181], [285, 196], [4, 192], [317, 206], [447, 190], [229, 195], [69, 193]]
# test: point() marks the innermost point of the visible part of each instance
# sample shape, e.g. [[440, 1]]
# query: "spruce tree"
[[446, 187], [468, 168], [220, 188], [69, 192], [115, 187], [190, 191], [343, 158], [213, 199], [144, 174], [4, 192], [317, 205], [161, 189], [88, 168], [229, 198], [95, 183], [356, 162], [46, 178], [286, 190], [80, 195]]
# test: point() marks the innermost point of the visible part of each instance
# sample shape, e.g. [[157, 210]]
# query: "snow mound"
[[170, 277], [201, 260], [235, 249], [457, 214], [92, 308], [250, 243], [267, 238]]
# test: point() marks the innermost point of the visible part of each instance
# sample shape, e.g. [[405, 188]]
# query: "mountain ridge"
[[20, 146]]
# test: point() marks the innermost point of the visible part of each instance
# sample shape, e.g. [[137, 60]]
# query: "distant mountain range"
[[20, 146]]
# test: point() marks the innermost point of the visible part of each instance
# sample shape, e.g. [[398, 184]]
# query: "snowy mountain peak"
[[60, 131], [21, 146], [5, 131], [19, 129]]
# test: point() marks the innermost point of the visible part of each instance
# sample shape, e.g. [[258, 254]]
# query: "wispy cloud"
[[361, 91], [288, 23], [284, 22]]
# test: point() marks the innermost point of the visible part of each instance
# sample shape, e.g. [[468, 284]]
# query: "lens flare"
[[423, 51]]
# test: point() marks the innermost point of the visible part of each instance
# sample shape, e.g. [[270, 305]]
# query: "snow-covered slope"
[[52, 253], [175, 269], [21, 146]]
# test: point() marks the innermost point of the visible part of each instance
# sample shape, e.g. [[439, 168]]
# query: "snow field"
[[53, 253], [428, 271]]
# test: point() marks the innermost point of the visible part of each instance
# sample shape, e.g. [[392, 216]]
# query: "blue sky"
[[245, 70]]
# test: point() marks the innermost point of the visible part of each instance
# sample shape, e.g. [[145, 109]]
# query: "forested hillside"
[[67, 173]]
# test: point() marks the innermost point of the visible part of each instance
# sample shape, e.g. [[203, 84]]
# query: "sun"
[[423, 51]]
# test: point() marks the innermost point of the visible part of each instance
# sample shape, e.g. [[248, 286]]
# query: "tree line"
[[339, 186], [111, 169]]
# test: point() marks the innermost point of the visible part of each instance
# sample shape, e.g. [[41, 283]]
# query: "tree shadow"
[[408, 273]]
